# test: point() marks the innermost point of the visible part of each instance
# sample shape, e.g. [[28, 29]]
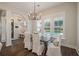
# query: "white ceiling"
[[28, 6]]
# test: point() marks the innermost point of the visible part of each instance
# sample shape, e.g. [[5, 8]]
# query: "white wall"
[[70, 10], [15, 17], [78, 26], [18, 23]]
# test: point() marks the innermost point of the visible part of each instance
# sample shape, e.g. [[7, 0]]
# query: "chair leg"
[[45, 49]]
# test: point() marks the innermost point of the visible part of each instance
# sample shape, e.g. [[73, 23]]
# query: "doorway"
[[12, 28]]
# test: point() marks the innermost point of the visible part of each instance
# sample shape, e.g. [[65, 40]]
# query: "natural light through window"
[[47, 25], [58, 25]]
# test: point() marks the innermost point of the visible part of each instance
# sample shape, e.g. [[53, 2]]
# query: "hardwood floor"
[[17, 49]]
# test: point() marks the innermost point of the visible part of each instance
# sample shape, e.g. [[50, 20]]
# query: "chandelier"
[[33, 15]]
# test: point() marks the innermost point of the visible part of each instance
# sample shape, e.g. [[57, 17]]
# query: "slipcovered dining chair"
[[36, 44], [27, 41]]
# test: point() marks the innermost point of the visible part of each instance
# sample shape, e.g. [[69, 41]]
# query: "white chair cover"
[[36, 44], [27, 41]]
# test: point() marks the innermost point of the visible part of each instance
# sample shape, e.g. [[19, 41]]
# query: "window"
[[47, 25], [58, 25]]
